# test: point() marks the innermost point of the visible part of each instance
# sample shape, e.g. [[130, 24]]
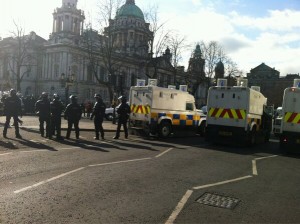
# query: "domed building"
[[131, 34], [83, 62]]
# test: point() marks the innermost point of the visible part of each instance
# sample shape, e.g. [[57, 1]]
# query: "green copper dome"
[[130, 9]]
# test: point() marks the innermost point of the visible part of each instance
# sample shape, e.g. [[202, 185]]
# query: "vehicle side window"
[[189, 106]]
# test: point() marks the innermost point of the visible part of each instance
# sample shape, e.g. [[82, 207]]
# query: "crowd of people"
[[50, 112]]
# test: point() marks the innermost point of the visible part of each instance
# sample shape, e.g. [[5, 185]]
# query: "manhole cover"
[[216, 200]]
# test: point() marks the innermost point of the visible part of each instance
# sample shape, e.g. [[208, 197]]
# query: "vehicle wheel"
[[165, 129], [267, 137], [252, 137], [202, 129], [109, 117]]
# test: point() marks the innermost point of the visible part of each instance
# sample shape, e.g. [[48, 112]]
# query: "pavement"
[[85, 124]]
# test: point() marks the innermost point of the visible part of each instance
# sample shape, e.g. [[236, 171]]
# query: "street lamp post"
[[67, 82], [114, 104]]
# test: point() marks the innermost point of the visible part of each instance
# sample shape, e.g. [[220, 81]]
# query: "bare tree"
[[161, 35], [101, 46], [107, 9], [20, 55], [213, 53], [177, 44]]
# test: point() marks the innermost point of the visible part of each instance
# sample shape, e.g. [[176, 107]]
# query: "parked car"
[[1, 109], [110, 111]]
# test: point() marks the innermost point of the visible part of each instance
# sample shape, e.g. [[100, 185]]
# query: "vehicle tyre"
[[109, 117], [252, 137], [165, 129], [201, 129], [267, 137]]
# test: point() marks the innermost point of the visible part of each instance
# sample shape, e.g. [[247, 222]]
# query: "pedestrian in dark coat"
[[12, 109], [99, 114], [73, 115], [42, 109], [123, 115], [56, 109]]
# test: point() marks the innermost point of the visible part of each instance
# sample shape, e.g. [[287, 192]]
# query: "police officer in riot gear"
[[123, 115], [42, 109], [56, 109], [73, 115], [12, 109], [98, 113]]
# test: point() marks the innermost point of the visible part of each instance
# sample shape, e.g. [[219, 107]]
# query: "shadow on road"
[[35, 145], [8, 145]]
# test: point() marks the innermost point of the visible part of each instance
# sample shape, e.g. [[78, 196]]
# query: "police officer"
[[12, 109], [98, 113], [42, 109], [123, 115], [56, 108], [73, 115]]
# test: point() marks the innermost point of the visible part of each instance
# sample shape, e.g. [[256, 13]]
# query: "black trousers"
[[42, 121], [56, 126], [98, 126], [16, 124], [120, 123], [76, 126]]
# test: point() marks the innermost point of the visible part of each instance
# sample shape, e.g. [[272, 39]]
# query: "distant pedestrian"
[[82, 109], [123, 116], [12, 109], [42, 109], [99, 114], [89, 108], [73, 115], [56, 109]]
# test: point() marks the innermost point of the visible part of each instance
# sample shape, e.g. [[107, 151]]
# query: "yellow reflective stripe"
[[234, 114], [287, 116], [296, 119], [218, 114], [211, 110], [243, 113]]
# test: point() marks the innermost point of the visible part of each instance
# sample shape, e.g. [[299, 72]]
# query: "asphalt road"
[[142, 180]]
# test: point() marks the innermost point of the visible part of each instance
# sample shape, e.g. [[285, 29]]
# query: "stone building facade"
[[272, 85], [62, 64]]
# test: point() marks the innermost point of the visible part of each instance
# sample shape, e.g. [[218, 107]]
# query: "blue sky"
[[251, 31]]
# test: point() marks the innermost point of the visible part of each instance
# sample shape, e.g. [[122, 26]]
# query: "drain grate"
[[217, 200]]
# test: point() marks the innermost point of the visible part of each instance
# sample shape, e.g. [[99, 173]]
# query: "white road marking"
[[266, 157], [161, 154], [4, 154], [47, 181], [125, 161], [39, 150], [254, 167], [69, 148], [179, 207], [222, 182]]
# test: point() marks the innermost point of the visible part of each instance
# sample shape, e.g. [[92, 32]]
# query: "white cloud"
[[249, 41], [276, 20]]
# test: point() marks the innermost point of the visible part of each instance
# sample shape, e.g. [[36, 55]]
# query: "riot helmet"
[[44, 95], [73, 98], [123, 99], [56, 96], [13, 92]]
